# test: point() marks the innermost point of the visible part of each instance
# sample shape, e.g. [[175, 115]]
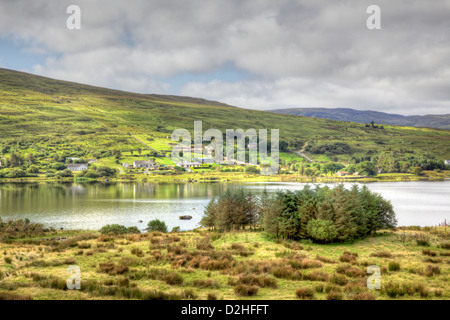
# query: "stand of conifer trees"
[[322, 214]]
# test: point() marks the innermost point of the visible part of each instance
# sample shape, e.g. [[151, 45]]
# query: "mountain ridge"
[[439, 121]]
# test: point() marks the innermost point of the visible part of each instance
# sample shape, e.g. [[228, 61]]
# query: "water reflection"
[[90, 206]]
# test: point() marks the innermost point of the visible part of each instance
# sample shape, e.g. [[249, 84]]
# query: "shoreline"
[[232, 177]]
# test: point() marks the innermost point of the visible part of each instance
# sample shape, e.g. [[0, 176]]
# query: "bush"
[[382, 254], [363, 296], [429, 253], [432, 270], [111, 268], [133, 230], [305, 293], [333, 295], [113, 229], [157, 225], [173, 278], [394, 266], [260, 281], [13, 229], [243, 290], [423, 242]]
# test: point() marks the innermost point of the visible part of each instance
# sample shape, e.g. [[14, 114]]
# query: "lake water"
[[91, 206]]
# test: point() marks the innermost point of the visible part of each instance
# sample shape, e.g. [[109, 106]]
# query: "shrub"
[[133, 230], [363, 296], [8, 260], [305, 293], [423, 242], [211, 296], [157, 225], [205, 283], [333, 295], [339, 280], [382, 254], [432, 270], [173, 278], [324, 259], [111, 268], [445, 245], [14, 296], [438, 292], [394, 266], [424, 292], [348, 257], [243, 290], [260, 281], [114, 229], [138, 252], [429, 253]]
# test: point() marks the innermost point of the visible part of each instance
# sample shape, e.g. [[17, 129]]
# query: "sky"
[[258, 54]]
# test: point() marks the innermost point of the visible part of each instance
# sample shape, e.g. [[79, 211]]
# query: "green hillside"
[[47, 117]]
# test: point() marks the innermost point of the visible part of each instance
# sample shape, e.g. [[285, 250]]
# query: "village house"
[[342, 173], [186, 164], [126, 165], [143, 164], [447, 163], [77, 166]]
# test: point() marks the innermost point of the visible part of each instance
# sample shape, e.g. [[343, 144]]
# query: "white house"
[[77, 166], [143, 164], [126, 165], [188, 164], [447, 163]]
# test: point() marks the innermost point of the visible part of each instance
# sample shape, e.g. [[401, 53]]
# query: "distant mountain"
[[346, 114]]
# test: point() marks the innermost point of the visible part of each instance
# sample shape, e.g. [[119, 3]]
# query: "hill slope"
[[360, 116], [43, 115]]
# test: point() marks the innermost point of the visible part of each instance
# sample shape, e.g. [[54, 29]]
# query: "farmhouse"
[[342, 173], [143, 164], [186, 164], [77, 166]]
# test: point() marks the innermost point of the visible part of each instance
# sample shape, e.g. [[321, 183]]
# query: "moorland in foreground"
[[202, 264]]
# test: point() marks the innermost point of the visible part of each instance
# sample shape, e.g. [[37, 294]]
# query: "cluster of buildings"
[[149, 165]]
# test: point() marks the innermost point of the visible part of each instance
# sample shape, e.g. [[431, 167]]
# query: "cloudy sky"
[[259, 54]]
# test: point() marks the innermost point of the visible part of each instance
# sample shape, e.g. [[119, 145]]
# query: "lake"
[[91, 206]]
